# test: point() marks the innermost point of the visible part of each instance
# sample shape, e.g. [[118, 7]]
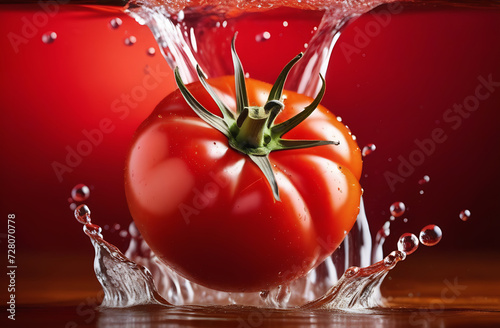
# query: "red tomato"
[[209, 212]]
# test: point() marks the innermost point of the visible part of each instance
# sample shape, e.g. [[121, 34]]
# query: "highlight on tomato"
[[239, 185]]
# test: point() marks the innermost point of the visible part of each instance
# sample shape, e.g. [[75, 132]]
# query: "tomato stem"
[[252, 130]]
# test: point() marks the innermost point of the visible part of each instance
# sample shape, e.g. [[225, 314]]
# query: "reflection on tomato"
[[208, 211]]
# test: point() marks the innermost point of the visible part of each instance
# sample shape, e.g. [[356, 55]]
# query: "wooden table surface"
[[426, 290]]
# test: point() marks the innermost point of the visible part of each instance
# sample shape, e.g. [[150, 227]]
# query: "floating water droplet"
[[131, 40], [263, 37], [123, 233], [151, 51], [49, 37], [82, 214], [115, 23], [464, 215], [397, 209], [368, 149], [425, 179], [430, 235], [421, 192], [72, 206], [351, 272], [405, 220], [80, 192], [408, 243]]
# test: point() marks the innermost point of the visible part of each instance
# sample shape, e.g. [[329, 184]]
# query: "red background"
[[395, 90]]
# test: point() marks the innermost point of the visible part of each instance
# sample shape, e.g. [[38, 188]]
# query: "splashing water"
[[349, 279], [128, 283]]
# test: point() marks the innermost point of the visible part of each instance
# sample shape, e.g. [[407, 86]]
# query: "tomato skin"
[[207, 210]]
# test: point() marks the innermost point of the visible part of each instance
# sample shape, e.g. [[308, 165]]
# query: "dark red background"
[[393, 91]]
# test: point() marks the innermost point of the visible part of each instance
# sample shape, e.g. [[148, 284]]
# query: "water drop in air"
[[130, 40], [430, 235], [408, 243], [49, 37], [263, 37], [80, 192], [368, 149], [425, 179], [82, 214], [397, 209], [464, 215], [115, 23]]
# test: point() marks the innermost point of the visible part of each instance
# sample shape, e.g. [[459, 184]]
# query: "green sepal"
[[211, 119]]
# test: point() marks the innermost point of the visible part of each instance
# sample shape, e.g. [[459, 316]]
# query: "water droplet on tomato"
[[82, 214], [408, 243], [425, 179], [430, 235], [285, 23], [368, 149], [131, 40], [49, 37], [80, 192], [464, 215], [115, 23], [397, 209], [151, 51]]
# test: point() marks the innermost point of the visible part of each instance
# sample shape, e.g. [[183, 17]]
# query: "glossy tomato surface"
[[208, 211]]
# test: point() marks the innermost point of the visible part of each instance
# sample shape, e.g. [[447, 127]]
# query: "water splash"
[[125, 283]]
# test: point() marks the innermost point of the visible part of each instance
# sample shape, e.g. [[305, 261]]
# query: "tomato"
[[214, 216]]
